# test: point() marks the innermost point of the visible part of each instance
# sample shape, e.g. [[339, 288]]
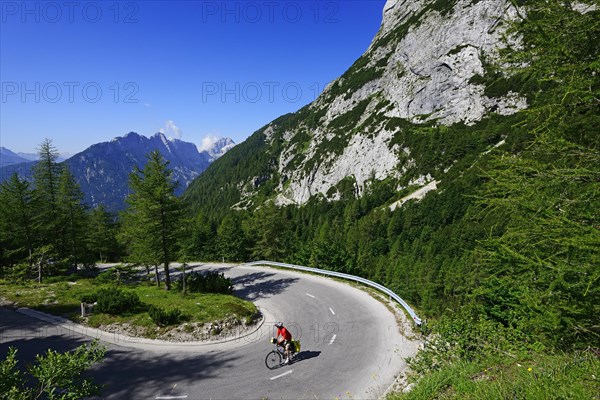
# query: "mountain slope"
[[103, 169], [8, 157], [503, 254], [34, 156], [384, 118]]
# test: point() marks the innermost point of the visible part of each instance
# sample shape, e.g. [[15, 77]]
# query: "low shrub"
[[162, 317], [89, 298], [104, 277], [116, 301], [21, 273], [211, 282], [59, 278], [118, 274]]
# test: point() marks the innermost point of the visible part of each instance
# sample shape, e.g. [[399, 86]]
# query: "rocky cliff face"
[[422, 64], [425, 67]]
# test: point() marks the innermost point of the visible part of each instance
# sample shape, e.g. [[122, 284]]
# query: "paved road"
[[351, 347]]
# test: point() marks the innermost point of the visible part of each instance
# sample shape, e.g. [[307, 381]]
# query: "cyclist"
[[284, 339]]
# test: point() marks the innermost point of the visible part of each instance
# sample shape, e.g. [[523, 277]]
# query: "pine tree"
[[154, 215], [139, 243], [17, 220], [542, 263], [72, 215], [46, 177], [272, 233], [102, 234], [197, 240], [231, 242]]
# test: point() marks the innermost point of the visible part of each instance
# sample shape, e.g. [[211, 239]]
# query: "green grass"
[[63, 298], [538, 376]]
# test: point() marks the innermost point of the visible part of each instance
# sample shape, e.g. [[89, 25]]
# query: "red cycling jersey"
[[284, 333]]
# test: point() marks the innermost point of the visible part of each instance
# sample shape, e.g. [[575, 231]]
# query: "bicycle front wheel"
[[273, 360]]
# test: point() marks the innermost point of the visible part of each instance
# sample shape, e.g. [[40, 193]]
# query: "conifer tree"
[[17, 231], [154, 215], [102, 234], [271, 232], [46, 177], [231, 242], [72, 216]]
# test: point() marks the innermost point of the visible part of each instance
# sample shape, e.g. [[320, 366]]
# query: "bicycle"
[[275, 357]]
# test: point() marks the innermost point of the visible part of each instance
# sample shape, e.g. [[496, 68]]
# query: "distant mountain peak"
[[103, 169], [8, 157], [160, 135], [215, 147]]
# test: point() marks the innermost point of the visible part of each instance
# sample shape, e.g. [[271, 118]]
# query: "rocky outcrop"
[[429, 65], [423, 61]]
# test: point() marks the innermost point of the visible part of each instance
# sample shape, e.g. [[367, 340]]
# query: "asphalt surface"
[[351, 346]]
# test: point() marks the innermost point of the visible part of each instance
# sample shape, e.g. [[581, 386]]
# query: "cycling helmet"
[[279, 324]]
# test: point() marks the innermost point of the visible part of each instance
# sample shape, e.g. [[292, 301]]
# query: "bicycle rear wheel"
[[273, 360]]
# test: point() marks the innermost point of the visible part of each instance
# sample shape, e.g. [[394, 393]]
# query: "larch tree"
[[46, 177], [16, 215], [102, 233], [72, 215], [154, 215]]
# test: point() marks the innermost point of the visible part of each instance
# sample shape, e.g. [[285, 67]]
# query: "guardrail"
[[367, 282]]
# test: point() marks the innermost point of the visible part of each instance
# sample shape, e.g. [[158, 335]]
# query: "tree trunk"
[[167, 276], [40, 262], [157, 277], [184, 266]]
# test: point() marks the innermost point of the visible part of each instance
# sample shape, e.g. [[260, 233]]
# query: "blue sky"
[[87, 71]]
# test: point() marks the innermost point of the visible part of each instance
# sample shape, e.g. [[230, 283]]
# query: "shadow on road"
[[31, 344], [306, 355], [260, 285], [302, 356], [31, 336], [125, 373], [134, 374], [206, 268]]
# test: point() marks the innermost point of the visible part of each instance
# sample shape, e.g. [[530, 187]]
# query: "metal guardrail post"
[[367, 282]]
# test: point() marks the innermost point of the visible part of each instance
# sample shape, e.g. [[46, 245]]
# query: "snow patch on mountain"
[[215, 146]]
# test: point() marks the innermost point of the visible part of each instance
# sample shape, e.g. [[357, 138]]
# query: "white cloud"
[[208, 142], [171, 130]]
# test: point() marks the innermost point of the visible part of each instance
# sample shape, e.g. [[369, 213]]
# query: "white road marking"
[[332, 339], [331, 309], [284, 374], [310, 295], [171, 397]]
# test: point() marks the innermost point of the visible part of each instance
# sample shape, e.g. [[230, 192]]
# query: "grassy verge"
[[534, 376], [63, 298]]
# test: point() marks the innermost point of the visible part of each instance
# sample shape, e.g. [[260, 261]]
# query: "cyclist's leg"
[[288, 350]]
